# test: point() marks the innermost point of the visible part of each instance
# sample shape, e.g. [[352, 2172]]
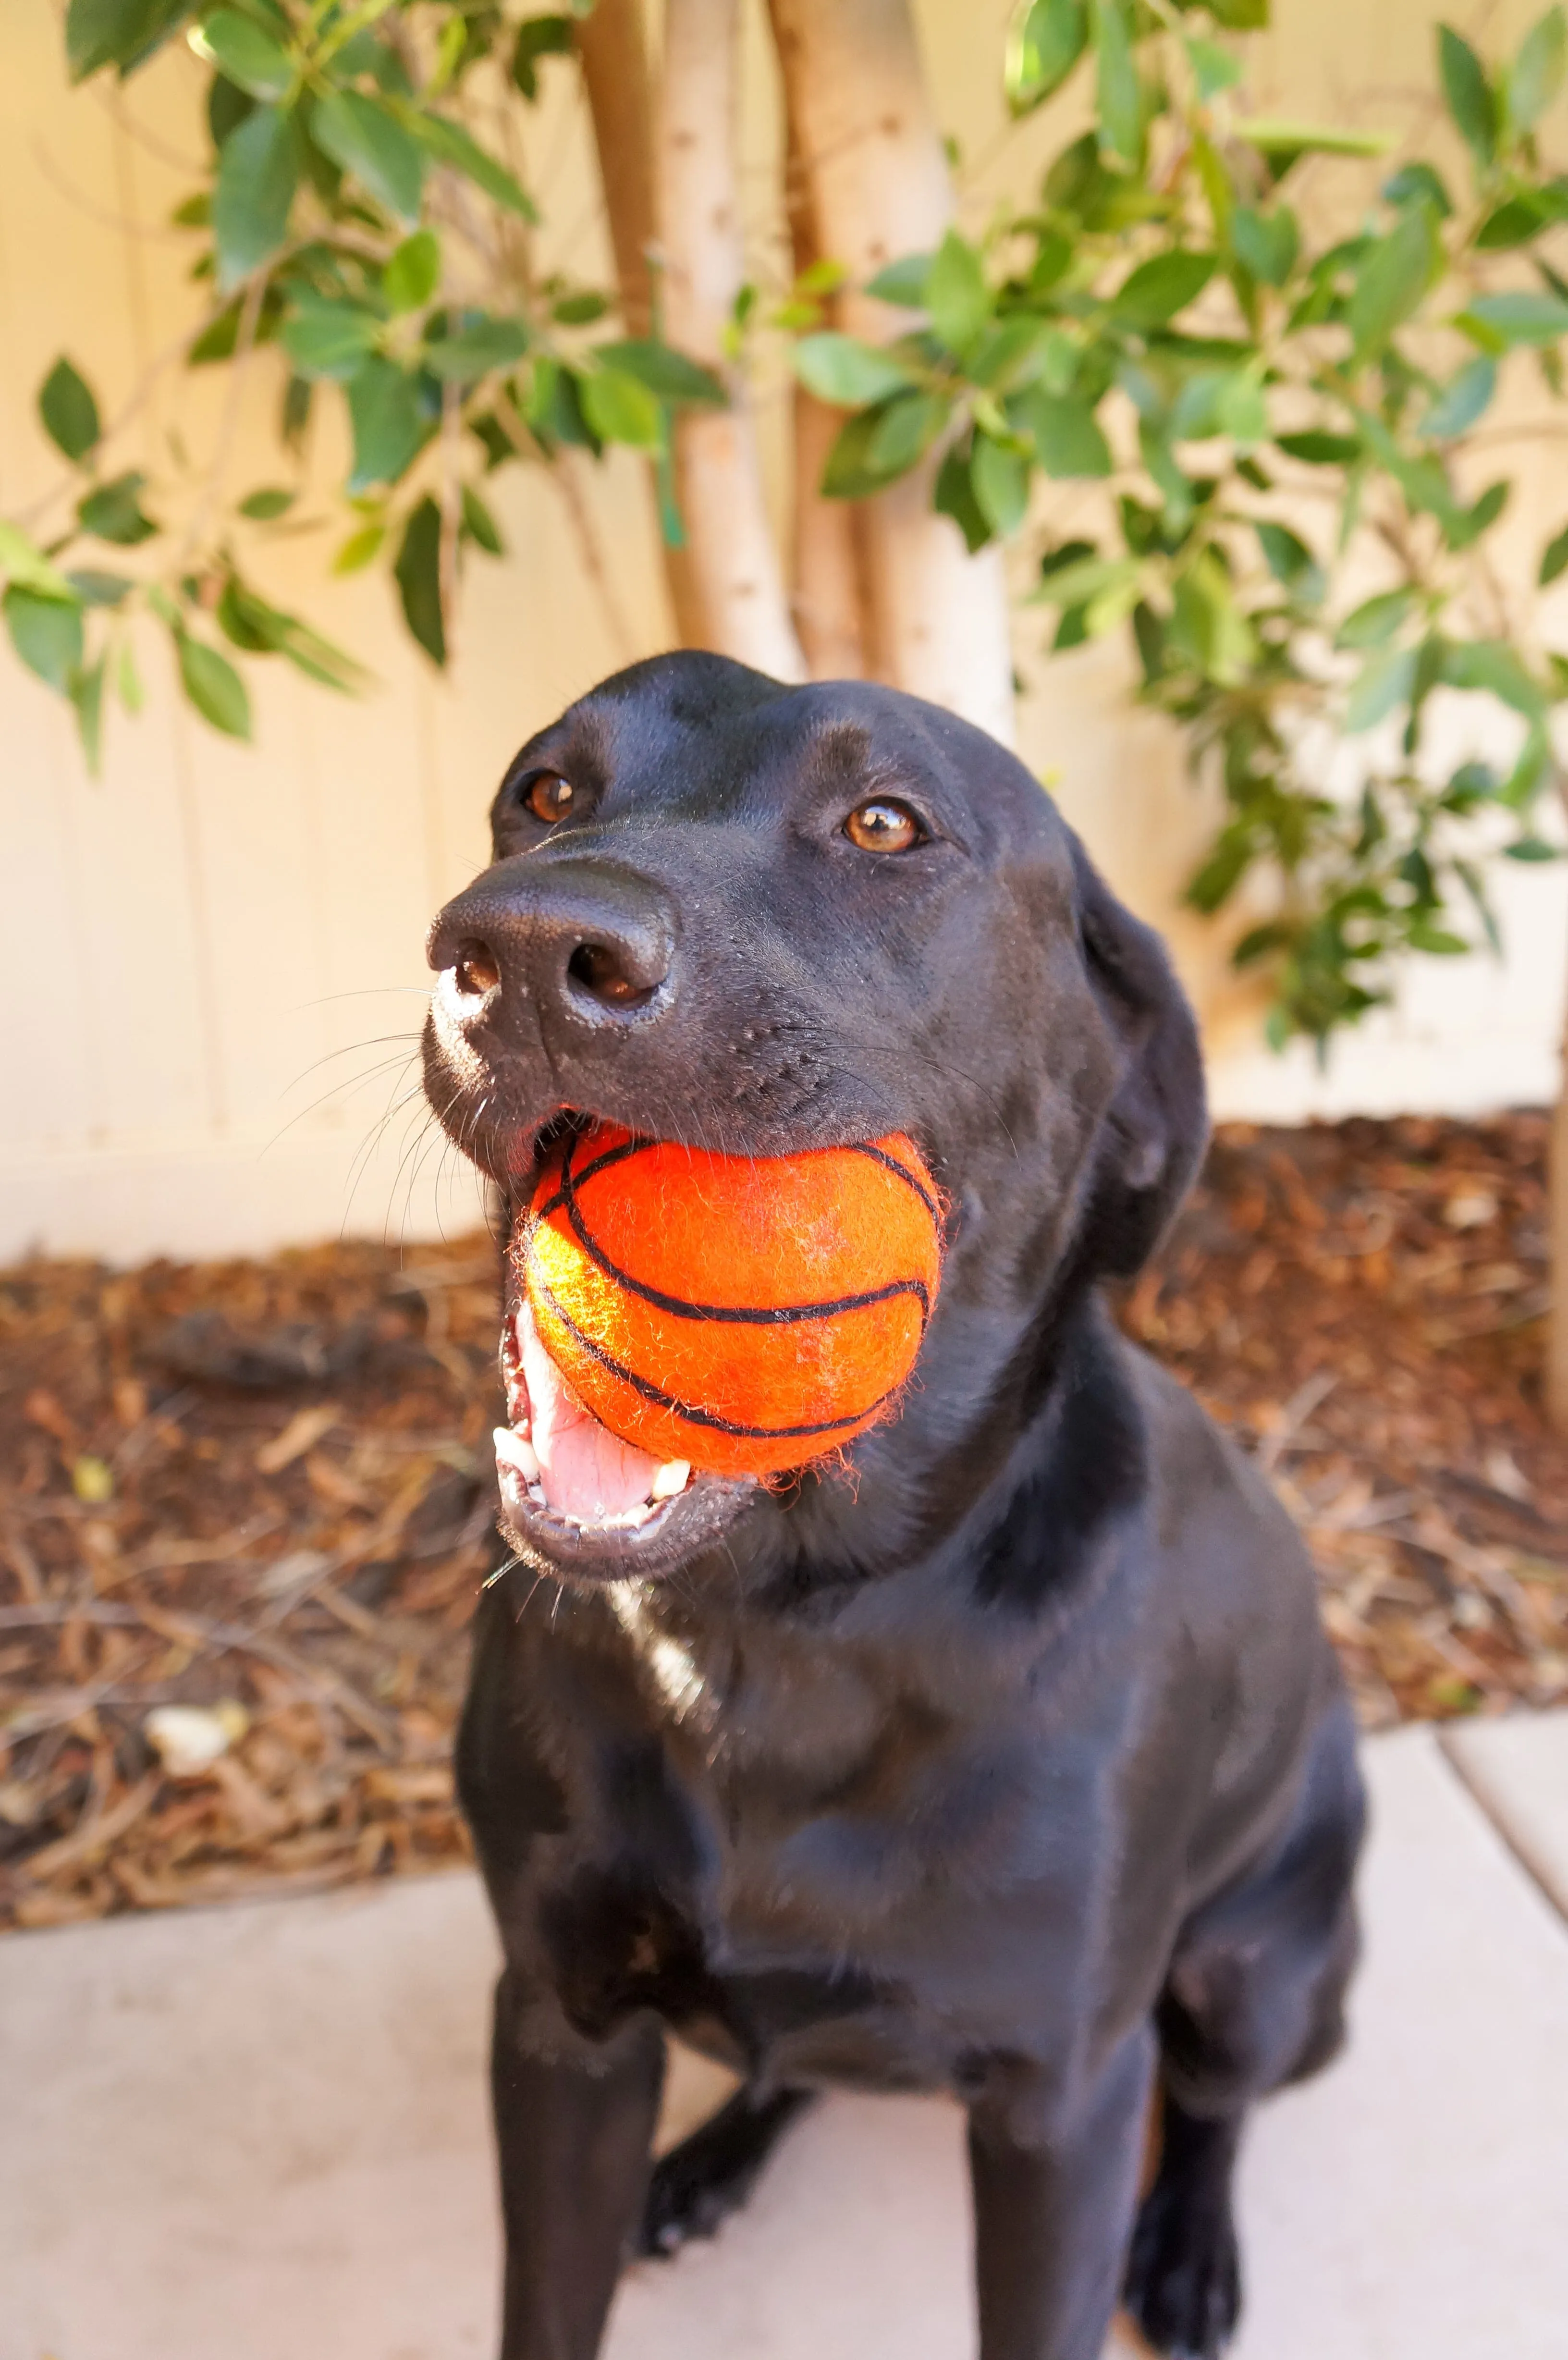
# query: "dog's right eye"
[[550, 798], [883, 826]]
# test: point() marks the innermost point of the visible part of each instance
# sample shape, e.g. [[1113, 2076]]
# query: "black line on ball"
[[783, 1314], [662, 1400], [891, 1163]]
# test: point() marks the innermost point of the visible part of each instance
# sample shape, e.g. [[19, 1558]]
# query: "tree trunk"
[[828, 601], [876, 175], [613, 54], [738, 606]]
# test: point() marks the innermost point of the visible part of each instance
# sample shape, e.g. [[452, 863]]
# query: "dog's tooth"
[[672, 1477], [515, 1451]]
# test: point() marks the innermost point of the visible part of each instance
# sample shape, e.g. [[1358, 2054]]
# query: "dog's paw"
[[686, 2200], [696, 2187], [1183, 2280]]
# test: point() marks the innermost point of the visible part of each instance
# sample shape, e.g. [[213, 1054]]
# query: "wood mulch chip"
[[264, 1489]]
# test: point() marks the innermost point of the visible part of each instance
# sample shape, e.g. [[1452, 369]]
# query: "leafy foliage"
[[352, 190], [1273, 439], [1283, 435]]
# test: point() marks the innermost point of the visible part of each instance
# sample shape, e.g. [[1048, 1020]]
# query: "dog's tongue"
[[585, 1472]]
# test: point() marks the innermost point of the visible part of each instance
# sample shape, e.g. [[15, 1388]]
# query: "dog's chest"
[[792, 1873]]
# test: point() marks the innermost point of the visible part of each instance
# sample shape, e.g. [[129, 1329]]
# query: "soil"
[[264, 1489]]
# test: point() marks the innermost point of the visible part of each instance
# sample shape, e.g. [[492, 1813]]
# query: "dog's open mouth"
[[558, 1458], [574, 1493]]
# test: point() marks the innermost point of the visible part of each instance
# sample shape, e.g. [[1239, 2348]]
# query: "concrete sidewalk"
[[259, 2133]]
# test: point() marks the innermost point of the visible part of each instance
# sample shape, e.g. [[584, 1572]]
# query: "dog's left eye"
[[883, 826], [550, 798]]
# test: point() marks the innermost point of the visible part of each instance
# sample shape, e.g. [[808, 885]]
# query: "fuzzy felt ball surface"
[[748, 1314]]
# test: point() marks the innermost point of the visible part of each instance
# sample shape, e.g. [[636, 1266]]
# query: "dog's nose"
[[581, 938]]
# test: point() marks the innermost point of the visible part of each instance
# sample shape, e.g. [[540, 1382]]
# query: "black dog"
[[1009, 1759]]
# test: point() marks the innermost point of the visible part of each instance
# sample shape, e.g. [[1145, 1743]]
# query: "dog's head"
[[761, 919]]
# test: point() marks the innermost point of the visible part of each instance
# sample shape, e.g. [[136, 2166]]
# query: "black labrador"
[[1004, 1756]]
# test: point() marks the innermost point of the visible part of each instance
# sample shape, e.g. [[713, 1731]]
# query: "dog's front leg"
[[1055, 2183], [574, 2139]]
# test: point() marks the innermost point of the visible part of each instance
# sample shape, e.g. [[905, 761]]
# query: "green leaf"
[[672, 375], [582, 310], [479, 525], [620, 408], [903, 430], [1538, 70], [1214, 69], [417, 571], [326, 338], [847, 474], [1318, 450], [1461, 400], [1013, 353], [538, 36], [1290, 562], [1520, 316], [902, 282], [1000, 480], [1119, 95], [1158, 289], [250, 622], [1241, 410], [118, 32], [46, 633], [213, 686], [448, 143], [113, 512], [94, 588], [1418, 183], [1512, 224], [1276, 139], [1465, 528], [1494, 667], [1065, 432], [1530, 848], [1375, 620], [267, 505], [1266, 244], [358, 551], [258, 167], [474, 350], [366, 138], [413, 272], [85, 689], [843, 372], [1422, 936], [1240, 15], [1384, 681], [25, 564], [1469, 95], [1555, 558], [68, 411], [954, 498], [128, 680], [957, 298], [243, 52], [1393, 276], [1045, 41], [390, 428]]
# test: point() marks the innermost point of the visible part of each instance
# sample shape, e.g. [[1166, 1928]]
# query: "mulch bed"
[[264, 1489]]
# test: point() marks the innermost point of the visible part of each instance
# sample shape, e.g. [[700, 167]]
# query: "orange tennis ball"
[[744, 1313]]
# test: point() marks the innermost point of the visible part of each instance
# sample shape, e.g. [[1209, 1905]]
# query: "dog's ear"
[[1153, 1133]]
